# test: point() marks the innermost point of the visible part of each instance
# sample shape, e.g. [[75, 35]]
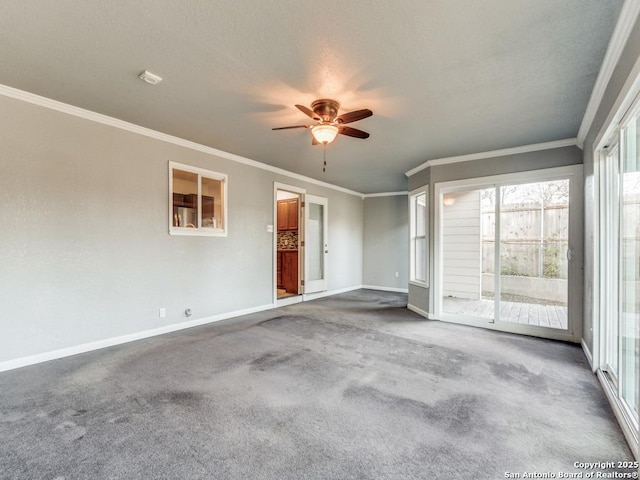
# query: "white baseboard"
[[283, 302], [417, 310], [587, 353], [110, 342], [386, 289], [327, 293]]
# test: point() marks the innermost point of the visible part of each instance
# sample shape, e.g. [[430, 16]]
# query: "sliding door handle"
[[570, 255]]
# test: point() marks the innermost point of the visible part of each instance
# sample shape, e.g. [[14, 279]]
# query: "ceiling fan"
[[325, 112]]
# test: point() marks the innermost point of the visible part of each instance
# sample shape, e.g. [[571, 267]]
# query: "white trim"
[[419, 311], [110, 342], [424, 190], [327, 293], [630, 434], [544, 174], [535, 147], [621, 32], [386, 289], [147, 132], [626, 106], [507, 327], [384, 194], [575, 173], [283, 302], [587, 353], [289, 188], [619, 109], [301, 193], [320, 284], [200, 230]]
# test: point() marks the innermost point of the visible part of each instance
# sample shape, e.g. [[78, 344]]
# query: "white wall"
[[386, 242], [85, 253]]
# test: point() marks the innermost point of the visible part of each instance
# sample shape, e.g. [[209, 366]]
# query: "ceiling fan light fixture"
[[324, 134]]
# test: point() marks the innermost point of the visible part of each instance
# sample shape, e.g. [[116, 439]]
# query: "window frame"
[[413, 198], [608, 156], [199, 230]]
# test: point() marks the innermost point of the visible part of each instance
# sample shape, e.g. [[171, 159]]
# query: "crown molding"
[[628, 93], [626, 21], [147, 132], [384, 194], [535, 147]]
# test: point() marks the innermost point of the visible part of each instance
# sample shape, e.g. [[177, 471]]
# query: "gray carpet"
[[347, 387]]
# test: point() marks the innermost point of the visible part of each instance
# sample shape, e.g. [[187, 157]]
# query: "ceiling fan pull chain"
[[324, 157]]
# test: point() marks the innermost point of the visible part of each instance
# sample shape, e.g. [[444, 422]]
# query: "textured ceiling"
[[443, 78]]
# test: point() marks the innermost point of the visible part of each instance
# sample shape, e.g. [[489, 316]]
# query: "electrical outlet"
[[163, 313], [270, 228], [397, 274]]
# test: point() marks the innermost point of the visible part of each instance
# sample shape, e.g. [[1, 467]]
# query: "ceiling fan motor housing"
[[326, 109]]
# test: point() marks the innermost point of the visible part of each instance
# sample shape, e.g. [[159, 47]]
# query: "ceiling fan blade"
[[314, 141], [294, 126], [308, 112], [354, 116], [352, 132]]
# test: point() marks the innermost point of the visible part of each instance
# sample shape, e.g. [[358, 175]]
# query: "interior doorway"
[[300, 245], [289, 232]]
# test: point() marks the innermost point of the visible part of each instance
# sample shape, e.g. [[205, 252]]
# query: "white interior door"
[[316, 247]]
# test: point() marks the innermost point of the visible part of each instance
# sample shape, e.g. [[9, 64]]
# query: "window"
[[418, 251], [197, 201]]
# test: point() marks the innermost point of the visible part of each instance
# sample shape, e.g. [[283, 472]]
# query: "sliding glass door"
[[609, 246], [534, 253], [630, 264], [619, 236], [505, 256], [468, 254]]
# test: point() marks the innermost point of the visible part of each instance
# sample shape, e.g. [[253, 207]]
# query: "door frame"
[[297, 298], [576, 226]]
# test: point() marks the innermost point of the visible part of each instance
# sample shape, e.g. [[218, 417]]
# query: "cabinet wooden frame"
[[288, 260], [288, 215], [201, 205]]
